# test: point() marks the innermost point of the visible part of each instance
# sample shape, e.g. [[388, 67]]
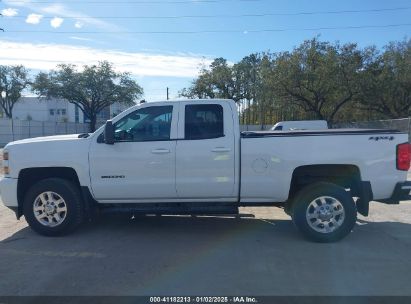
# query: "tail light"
[[403, 156]]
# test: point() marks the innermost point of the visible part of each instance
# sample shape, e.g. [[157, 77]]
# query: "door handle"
[[160, 151], [221, 149]]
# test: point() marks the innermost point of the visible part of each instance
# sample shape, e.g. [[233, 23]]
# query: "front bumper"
[[402, 192], [8, 191]]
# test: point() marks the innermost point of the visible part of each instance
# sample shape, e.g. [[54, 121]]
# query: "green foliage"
[[386, 82], [320, 77], [316, 80], [92, 89], [13, 81], [217, 82]]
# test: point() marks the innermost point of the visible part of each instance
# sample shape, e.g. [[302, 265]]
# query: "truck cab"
[[164, 150]]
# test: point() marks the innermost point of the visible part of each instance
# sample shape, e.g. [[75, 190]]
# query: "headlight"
[[6, 169]]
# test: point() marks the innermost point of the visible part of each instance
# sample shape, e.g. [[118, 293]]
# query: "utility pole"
[[167, 94]]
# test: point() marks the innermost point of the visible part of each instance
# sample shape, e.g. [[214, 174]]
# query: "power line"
[[134, 2], [218, 31], [236, 16]]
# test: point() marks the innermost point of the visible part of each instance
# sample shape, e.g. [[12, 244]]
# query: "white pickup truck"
[[189, 157]]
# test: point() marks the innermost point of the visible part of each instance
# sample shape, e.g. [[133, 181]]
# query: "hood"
[[45, 139], [50, 151]]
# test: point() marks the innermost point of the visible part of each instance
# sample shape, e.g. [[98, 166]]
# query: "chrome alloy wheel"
[[50, 209], [325, 214]]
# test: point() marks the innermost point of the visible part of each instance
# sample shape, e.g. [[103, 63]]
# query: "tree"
[[215, 82], [92, 89], [247, 82], [266, 95], [201, 87], [386, 81], [13, 81], [320, 77], [317, 80]]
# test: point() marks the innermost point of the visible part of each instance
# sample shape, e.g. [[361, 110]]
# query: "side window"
[[278, 128], [147, 124], [204, 121]]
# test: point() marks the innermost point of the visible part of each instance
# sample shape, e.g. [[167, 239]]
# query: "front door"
[[141, 163]]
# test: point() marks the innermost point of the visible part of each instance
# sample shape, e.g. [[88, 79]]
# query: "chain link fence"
[[12, 129], [403, 124], [254, 127]]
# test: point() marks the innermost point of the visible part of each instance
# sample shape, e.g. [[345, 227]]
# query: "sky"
[[164, 43]]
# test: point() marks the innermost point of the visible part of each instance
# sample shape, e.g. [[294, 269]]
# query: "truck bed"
[[269, 158]]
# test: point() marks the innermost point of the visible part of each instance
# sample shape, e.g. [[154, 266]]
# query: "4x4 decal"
[[378, 138]]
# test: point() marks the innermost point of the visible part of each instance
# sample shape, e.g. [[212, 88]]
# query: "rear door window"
[[204, 121]]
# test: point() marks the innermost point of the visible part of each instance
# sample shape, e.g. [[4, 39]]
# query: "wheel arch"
[[344, 175], [30, 176]]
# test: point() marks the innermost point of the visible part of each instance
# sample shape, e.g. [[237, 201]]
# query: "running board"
[[173, 210]]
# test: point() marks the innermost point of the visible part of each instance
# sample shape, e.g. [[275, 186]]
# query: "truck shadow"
[[155, 227], [195, 230]]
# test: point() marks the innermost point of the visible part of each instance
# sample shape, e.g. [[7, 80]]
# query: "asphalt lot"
[[264, 255]]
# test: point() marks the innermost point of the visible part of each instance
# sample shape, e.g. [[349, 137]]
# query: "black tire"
[[69, 192], [314, 192]]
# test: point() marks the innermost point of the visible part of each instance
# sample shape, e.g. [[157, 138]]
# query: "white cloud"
[[56, 22], [78, 24], [17, 3], [47, 56], [81, 38], [34, 18], [61, 10], [9, 12]]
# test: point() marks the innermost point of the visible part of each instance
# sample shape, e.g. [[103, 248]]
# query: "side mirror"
[[109, 133]]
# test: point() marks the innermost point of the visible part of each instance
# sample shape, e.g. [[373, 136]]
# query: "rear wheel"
[[53, 207], [324, 212]]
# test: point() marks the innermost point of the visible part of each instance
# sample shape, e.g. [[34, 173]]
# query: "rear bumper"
[[401, 193]]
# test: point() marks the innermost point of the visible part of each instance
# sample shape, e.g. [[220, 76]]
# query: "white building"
[[41, 109], [60, 110]]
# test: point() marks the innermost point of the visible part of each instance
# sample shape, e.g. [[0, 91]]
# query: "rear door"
[[205, 150]]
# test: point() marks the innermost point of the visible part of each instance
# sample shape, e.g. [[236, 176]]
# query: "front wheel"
[[324, 212], [53, 207]]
